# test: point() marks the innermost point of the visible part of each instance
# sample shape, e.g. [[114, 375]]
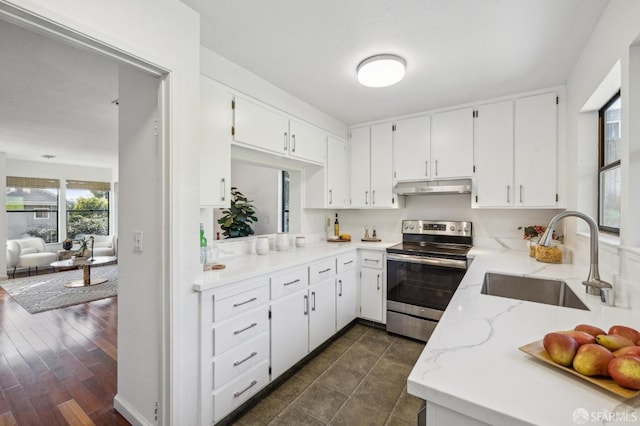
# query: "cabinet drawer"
[[241, 358], [322, 270], [289, 282], [346, 261], [239, 329], [372, 259], [233, 394], [239, 303]]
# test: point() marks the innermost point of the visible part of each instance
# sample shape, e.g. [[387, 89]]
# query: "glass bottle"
[[203, 246], [336, 227]]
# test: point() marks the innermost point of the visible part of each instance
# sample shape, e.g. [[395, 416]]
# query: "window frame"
[[603, 168]]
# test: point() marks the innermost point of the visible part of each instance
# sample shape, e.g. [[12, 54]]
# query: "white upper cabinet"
[[260, 127], [382, 165], [452, 144], [411, 149], [360, 144], [535, 151], [337, 173], [266, 129], [493, 186], [215, 144], [306, 142]]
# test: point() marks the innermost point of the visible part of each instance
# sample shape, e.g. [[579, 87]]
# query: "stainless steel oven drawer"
[[406, 325]]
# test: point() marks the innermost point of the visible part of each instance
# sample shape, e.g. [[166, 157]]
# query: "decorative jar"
[[550, 254], [533, 242], [262, 245]]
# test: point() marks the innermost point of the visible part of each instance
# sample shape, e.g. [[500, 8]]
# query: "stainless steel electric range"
[[423, 272]]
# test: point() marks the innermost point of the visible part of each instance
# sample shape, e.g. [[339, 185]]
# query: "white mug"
[[262, 245], [300, 241], [282, 242]]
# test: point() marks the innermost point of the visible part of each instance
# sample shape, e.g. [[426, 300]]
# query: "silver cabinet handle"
[[324, 270], [291, 282], [436, 167], [223, 191], [366, 197], [372, 260], [313, 294], [293, 143], [237, 394], [340, 291], [285, 141], [237, 363], [306, 304], [520, 193], [373, 197], [245, 329], [378, 281], [508, 193], [331, 196], [348, 263], [426, 168], [235, 305]]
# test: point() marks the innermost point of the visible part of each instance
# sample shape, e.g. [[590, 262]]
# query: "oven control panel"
[[437, 227]]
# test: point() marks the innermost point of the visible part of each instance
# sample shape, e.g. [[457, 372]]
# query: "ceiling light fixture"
[[381, 70]]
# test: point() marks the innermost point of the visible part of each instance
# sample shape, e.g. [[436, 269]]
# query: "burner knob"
[[405, 227], [411, 226], [466, 229], [452, 228]]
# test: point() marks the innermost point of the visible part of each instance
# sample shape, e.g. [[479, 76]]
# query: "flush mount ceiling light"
[[381, 70]]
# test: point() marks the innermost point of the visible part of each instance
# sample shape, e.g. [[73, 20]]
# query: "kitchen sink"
[[540, 290]]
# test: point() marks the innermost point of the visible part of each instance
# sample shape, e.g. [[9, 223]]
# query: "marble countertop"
[[472, 364], [248, 266]]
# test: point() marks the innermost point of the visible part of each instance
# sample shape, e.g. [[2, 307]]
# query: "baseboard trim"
[[128, 412]]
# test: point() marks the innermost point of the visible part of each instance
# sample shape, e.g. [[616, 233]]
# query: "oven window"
[[422, 285]]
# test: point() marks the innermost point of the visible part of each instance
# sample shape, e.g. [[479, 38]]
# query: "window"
[[284, 207], [32, 208], [87, 208], [609, 166]]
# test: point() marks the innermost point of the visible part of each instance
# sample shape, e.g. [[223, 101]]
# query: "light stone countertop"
[[472, 364], [248, 266]]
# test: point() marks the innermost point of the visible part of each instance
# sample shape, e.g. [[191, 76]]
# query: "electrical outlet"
[[137, 241]]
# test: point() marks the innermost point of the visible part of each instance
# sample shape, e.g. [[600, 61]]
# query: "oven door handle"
[[431, 261]]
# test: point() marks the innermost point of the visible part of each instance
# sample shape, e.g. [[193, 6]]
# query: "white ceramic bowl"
[[262, 250], [333, 237]]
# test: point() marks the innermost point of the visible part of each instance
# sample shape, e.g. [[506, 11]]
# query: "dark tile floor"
[[360, 379]]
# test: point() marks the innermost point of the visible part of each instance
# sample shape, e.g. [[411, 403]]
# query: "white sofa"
[[103, 245], [28, 253]]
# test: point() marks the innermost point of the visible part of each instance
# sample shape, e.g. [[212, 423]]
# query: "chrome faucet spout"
[[593, 283]]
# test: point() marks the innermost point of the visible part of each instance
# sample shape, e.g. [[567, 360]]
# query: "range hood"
[[456, 186]]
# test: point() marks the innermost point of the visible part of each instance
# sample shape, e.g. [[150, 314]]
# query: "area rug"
[[45, 292]]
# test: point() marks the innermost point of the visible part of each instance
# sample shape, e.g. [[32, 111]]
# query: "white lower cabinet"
[[346, 290], [322, 312], [372, 286], [289, 331]]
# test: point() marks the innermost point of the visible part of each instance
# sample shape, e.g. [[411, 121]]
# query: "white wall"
[[610, 42], [164, 33]]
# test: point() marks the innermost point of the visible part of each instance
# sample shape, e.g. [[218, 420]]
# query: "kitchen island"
[[472, 373]]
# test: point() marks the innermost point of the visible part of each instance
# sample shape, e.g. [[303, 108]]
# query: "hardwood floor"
[[58, 367]]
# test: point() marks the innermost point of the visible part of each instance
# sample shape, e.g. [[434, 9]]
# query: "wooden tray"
[[372, 240], [537, 350], [338, 241]]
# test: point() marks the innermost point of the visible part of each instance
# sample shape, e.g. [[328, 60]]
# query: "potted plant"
[[83, 247], [236, 220]]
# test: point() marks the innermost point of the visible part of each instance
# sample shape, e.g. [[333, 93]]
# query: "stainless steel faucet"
[[594, 285]]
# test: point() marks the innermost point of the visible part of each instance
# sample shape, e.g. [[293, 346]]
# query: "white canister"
[[282, 241], [262, 245], [300, 241]]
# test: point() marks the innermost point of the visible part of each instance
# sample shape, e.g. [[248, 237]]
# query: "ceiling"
[[457, 51], [57, 100]]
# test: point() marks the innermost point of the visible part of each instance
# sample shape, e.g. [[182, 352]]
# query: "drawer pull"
[[372, 260], [292, 282], [313, 294], [237, 363], [253, 299], [324, 270], [237, 394], [306, 304], [245, 329], [348, 263]]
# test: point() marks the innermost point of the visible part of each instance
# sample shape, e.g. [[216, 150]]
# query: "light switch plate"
[[137, 241]]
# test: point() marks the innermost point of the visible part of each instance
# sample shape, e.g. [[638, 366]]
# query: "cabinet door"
[[215, 144], [260, 127], [411, 149], [322, 312], [289, 331], [494, 155], [337, 173], [307, 143], [382, 165], [346, 298], [536, 151], [371, 294], [360, 167], [452, 144]]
